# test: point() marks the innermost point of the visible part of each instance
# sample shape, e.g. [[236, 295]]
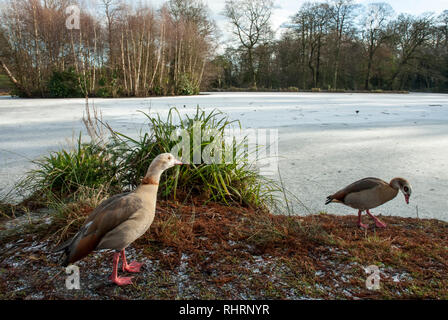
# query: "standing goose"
[[120, 220], [369, 193]]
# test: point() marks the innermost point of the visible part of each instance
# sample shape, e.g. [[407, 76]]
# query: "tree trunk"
[[37, 50], [369, 67], [14, 80], [316, 84], [336, 67], [123, 64], [252, 68]]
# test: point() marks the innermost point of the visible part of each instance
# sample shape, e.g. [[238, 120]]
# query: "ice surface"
[[324, 143]]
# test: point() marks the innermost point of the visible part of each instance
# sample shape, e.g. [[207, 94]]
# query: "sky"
[[283, 9]]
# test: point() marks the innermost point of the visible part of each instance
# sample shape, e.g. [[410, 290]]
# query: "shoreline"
[[241, 90]]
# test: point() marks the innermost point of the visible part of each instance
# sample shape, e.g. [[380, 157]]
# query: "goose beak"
[[177, 162], [406, 198]]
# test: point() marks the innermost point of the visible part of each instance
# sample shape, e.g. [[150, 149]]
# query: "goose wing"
[[105, 218], [358, 186]]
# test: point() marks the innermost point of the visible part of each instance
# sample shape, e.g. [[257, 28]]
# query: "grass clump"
[[120, 162], [63, 172], [233, 182]]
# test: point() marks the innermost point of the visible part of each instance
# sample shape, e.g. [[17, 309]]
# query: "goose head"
[[165, 161], [404, 186]]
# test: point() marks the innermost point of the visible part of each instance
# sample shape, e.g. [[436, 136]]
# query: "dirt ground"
[[216, 252]]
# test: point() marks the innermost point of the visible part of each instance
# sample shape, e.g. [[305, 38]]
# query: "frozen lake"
[[324, 144]]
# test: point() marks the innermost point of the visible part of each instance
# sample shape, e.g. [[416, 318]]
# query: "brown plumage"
[[119, 221], [98, 227], [369, 193]]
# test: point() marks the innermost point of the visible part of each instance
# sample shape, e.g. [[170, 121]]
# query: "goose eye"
[[406, 189], [169, 158]]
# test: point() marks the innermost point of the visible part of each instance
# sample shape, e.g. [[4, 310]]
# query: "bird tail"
[[329, 199], [69, 247], [65, 248]]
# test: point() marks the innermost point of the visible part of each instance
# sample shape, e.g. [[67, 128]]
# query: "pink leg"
[[132, 267], [360, 224], [378, 223], [114, 277]]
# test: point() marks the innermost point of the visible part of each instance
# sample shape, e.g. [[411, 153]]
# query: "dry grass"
[[220, 252], [7, 210], [69, 216]]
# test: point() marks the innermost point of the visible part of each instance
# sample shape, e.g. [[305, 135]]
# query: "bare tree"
[[251, 24], [374, 33], [128, 49], [410, 33], [192, 33], [5, 52], [112, 8], [311, 26], [341, 12], [443, 25]]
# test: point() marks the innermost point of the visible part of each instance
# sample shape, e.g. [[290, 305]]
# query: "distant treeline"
[[335, 44], [124, 49], [119, 49]]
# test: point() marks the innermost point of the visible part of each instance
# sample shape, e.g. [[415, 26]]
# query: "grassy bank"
[[213, 251]]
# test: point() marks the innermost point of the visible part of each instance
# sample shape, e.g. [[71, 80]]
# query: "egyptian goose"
[[369, 193], [120, 220]]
